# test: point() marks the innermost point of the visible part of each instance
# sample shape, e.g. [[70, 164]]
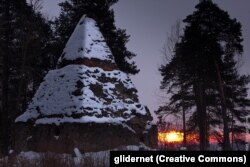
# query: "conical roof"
[[83, 91], [86, 43]]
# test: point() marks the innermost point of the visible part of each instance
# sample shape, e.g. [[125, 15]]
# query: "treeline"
[[25, 38], [201, 75], [202, 79], [30, 45]]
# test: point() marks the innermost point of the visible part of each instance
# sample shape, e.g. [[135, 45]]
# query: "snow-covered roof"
[[86, 93], [86, 42], [77, 93]]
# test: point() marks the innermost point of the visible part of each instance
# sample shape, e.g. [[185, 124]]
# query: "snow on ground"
[[29, 155], [86, 42], [78, 158]]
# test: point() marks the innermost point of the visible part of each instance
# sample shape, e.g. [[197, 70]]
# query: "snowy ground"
[[93, 159]]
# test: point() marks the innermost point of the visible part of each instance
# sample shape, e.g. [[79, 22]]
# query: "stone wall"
[[86, 137]]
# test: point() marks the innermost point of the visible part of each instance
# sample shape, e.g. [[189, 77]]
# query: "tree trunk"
[[226, 140], [5, 81], [207, 129], [201, 112], [184, 127], [21, 94]]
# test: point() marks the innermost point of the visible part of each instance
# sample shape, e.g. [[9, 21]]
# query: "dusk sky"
[[148, 22]]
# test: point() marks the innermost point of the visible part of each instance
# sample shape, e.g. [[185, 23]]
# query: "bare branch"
[[172, 39], [37, 5]]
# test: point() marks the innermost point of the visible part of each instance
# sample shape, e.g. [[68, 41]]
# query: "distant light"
[[170, 137]]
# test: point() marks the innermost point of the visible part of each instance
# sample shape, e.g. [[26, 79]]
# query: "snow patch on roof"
[[67, 92], [84, 119], [86, 42]]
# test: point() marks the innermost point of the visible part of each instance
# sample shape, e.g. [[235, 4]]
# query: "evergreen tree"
[[71, 12], [204, 60], [5, 33], [24, 55]]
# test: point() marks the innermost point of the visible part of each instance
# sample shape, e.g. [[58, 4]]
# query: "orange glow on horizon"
[[170, 137], [175, 137]]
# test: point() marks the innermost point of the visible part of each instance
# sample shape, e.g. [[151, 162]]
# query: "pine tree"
[[24, 56], [237, 101], [71, 12], [204, 60], [5, 44]]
